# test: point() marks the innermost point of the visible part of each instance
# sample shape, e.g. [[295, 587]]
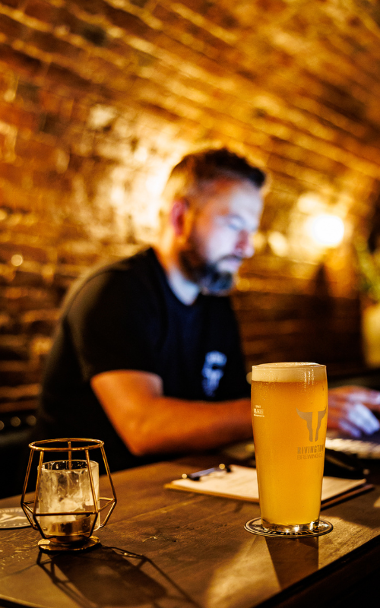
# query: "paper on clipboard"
[[241, 484]]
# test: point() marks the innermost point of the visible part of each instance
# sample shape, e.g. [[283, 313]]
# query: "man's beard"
[[207, 276]]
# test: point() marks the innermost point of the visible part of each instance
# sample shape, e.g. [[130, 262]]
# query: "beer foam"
[[288, 372]]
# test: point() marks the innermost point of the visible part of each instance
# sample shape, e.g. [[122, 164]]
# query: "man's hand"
[[350, 410]]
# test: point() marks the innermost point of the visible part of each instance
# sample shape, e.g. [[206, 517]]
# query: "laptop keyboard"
[[366, 447]]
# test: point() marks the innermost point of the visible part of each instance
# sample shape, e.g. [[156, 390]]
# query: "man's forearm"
[[149, 422], [178, 425]]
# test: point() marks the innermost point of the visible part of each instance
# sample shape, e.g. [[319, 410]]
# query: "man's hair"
[[197, 170]]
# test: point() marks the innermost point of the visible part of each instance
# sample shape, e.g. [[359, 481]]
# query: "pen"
[[198, 474]]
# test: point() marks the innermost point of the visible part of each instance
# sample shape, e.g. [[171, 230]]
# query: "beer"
[[289, 416]]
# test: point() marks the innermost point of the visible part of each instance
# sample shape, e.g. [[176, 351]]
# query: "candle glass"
[[67, 506], [66, 486]]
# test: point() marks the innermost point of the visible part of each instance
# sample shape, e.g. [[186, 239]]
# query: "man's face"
[[220, 234]]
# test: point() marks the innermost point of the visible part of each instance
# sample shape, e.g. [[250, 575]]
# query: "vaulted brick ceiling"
[[105, 95], [98, 98]]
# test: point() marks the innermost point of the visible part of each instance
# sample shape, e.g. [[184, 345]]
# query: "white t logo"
[[213, 371]]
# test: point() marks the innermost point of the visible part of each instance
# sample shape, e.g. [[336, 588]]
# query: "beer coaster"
[[13, 518], [254, 526]]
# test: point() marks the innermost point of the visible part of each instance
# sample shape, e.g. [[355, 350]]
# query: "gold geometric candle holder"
[[66, 507]]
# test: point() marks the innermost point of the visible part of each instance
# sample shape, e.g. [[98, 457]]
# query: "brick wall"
[[98, 99]]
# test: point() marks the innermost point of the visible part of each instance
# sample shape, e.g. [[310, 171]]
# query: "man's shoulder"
[[136, 263], [137, 272]]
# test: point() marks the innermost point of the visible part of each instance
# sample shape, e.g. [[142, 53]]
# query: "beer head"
[[288, 372]]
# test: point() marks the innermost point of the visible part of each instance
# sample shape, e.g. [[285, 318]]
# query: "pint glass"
[[289, 418]]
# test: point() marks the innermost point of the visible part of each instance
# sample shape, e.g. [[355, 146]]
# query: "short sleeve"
[[113, 324]]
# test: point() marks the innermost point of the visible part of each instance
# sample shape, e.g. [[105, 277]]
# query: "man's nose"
[[244, 244]]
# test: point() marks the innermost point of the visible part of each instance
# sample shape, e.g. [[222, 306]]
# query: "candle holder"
[[67, 508]]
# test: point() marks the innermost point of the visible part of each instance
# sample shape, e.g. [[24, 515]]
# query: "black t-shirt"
[[125, 316]]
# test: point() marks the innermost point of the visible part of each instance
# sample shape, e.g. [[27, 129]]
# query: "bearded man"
[[147, 354]]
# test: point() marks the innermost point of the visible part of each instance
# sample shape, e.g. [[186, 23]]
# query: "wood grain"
[[170, 549]]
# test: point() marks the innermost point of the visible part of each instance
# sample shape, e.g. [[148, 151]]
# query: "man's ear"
[[178, 215]]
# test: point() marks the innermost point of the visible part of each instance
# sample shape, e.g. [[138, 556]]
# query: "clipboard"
[[240, 483]]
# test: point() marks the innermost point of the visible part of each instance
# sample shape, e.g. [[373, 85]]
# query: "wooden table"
[[169, 549]]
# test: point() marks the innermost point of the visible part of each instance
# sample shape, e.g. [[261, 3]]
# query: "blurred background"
[[99, 98]]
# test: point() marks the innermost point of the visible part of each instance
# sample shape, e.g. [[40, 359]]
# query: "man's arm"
[[150, 423]]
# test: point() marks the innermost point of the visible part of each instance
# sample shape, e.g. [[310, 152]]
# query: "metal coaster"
[[13, 518], [255, 527], [47, 546]]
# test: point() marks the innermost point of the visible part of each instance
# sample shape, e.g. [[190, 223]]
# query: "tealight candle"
[[65, 489]]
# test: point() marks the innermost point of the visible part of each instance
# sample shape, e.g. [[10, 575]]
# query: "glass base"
[[88, 543], [318, 528]]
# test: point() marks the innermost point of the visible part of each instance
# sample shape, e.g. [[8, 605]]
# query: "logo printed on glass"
[[311, 451], [258, 411], [308, 417]]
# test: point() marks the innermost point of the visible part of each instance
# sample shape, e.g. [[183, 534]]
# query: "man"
[[147, 354]]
